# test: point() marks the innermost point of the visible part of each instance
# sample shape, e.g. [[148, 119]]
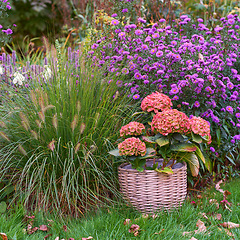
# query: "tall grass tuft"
[[54, 137]]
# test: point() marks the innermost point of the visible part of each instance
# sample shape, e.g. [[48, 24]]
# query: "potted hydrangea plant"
[[156, 152]]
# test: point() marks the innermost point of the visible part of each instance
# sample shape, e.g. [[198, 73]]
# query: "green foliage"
[[59, 133]]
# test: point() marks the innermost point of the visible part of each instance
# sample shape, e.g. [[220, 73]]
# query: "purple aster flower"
[[200, 20], [115, 22], [137, 75], [175, 97], [136, 96], [229, 109], [230, 85], [232, 140], [114, 15], [125, 10], [8, 7], [159, 53], [122, 34], [141, 20], [144, 47], [8, 31], [234, 71], [162, 20], [215, 119], [146, 81], [125, 71], [156, 35], [236, 137], [153, 51], [212, 149], [238, 125], [237, 115], [173, 91], [138, 32], [231, 21]]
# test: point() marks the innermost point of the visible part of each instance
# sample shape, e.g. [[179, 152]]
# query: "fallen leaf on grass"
[[145, 215], [214, 201], [65, 228], [186, 233], [43, 228], [154, 216], [204, 215], [227, 232], [201, 227], [127, 221], [217, 186], [218, 216], [87, 238], [47, 236], [229, 225], [29, 217], [4, 236], [134, 229], [160, 232], [31, 230], [193, 238]]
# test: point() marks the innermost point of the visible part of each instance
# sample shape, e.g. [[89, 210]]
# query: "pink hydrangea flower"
[[201, 127], [170, 121], [155, 102], [133, 129], [132, 147]]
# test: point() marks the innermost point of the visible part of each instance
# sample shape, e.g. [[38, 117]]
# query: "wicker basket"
[[149, 191]]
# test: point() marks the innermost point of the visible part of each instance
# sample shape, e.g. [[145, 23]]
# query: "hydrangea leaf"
[[178, 137], [183, 147], [162, 141], [115, 152], [192, 161], [200, 154], [196, 138], [165, 170]]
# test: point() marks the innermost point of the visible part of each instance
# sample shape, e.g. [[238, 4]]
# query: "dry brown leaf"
[[43, 228], [154, 216], [145, 215], [218, 216], [186, 233], [127, 221], [214, 201], [134, 228], [65, 228], [87, 238], [201, 227], [227, 232], [29, 217], [204, 215], [4, 236], [229, 225], [47, 236], [31, 230], [160, 231], [217, 186]]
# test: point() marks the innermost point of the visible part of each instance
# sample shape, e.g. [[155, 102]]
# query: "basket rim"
[[120, 168]]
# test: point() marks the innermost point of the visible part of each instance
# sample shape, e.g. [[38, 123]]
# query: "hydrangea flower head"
[[132, 129], [170, 121], [132, 147], [156, 102], [201, 127]]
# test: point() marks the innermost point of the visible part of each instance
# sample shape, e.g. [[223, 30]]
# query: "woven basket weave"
[[149, 191]]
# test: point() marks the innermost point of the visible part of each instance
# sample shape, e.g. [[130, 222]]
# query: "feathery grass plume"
[[34, 98], [22, 150], [77, 147], [41, 101], [55, 121], [34, 134], [3, 124], [48, 107], [25, 122], [51, 145], [74, 122], [3, 135], [78, 107], [45, 97], [41, 116], [82, 128], [39, 124]]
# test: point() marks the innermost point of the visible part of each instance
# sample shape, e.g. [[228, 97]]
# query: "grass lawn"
[[109, 223]]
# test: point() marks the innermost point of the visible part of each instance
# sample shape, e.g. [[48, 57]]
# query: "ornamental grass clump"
[[55, 135], [195, 63], [169, 135]]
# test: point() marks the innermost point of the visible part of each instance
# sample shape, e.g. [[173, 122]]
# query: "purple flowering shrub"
[[195, 64], [5, 31]]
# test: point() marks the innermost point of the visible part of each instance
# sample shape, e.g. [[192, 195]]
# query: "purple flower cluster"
[[193, 63]]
